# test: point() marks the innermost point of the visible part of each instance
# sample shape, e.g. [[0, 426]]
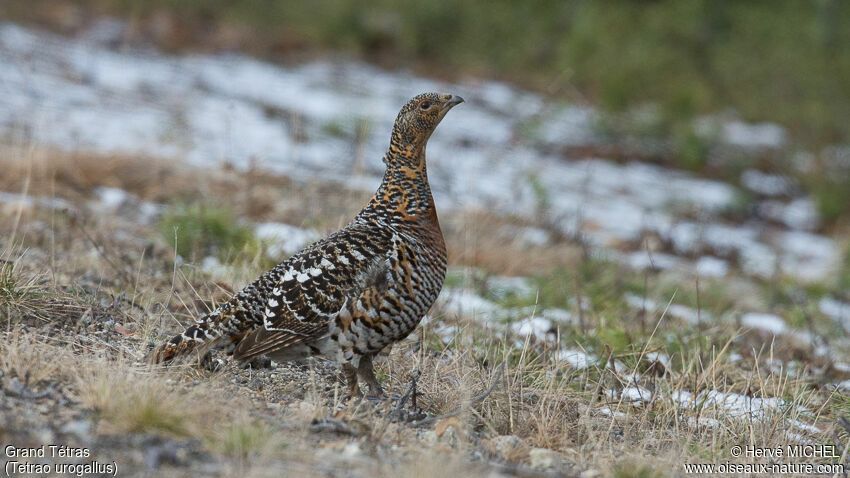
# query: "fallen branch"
[[464, 407]]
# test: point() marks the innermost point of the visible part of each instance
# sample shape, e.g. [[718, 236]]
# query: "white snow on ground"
[[121, 203], [640, 260], [81, 93], [560, 315], [725, 406], [811, 429], [753, 136], [807, 256], [578, 359], [529, 236], [466, 303], [659, 357], [12, 201], [284, 239], [741, 405], [633, 395], [709, 266], [765, 184], [538, 327], [502, 286], [769, 322], [836, 310], [212, 266], [679, 311], [801, 213], [732, 404], [707, 422], [612, 413]]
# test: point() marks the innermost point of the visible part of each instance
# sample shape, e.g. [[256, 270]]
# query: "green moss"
[[692, 149], [832, 195], [198, 230], [542, 198], [10, 290], [844, 273]]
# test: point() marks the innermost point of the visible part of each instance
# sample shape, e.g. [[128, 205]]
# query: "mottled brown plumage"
[[360, 289]]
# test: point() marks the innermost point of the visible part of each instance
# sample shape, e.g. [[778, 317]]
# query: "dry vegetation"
[[85, 292]]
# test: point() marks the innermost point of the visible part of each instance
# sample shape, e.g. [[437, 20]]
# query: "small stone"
[[79, 428], [43, 435], [157, 455], [509, 447], [15, 388], [544, 459], [429, 436], [590, 473], [450, 437], [351, 450]]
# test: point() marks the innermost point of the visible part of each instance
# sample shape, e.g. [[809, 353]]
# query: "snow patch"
[[576, 358], [284, 239], [769, 322]]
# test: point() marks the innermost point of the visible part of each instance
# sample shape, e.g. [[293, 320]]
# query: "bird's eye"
[[425, 104]]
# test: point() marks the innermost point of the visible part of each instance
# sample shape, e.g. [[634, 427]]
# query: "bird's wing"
[[372, 318], [312, 288]]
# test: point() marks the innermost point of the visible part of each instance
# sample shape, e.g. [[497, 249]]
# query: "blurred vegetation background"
[[782, 61]]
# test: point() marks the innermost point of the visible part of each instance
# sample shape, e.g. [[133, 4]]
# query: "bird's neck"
[[404, 195]]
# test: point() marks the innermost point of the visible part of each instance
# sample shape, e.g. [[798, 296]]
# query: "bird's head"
[[418, 119]]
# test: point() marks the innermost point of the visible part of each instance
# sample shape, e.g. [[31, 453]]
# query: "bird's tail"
[[231, 321], [226, 321], [181, 344], [206, 331]]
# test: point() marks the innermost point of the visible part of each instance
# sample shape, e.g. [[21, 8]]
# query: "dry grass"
[[31, 360], [117, 282], [482, 240], [130, 401]]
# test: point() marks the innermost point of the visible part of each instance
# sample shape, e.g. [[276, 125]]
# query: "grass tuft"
[[17, 295], [245, 438], [197, 230], [133, 402]]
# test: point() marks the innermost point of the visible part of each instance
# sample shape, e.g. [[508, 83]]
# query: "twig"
[[466, 406], [838, 442], [411, 389], [16, 389], [842, 449], [845, 423], [333, 425]]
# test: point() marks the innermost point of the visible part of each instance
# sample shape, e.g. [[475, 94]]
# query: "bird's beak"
[[453, 101]]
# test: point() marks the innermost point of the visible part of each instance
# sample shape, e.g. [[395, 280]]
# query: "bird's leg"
[[367, 373], [351, 378]]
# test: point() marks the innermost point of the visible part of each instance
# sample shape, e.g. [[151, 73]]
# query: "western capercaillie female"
[[360, 289]]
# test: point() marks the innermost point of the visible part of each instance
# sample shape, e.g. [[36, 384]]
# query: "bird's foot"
[[258, 363], [211, 363], [376, 397]]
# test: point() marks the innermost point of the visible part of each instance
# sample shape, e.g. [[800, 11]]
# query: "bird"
[[349, 295]]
